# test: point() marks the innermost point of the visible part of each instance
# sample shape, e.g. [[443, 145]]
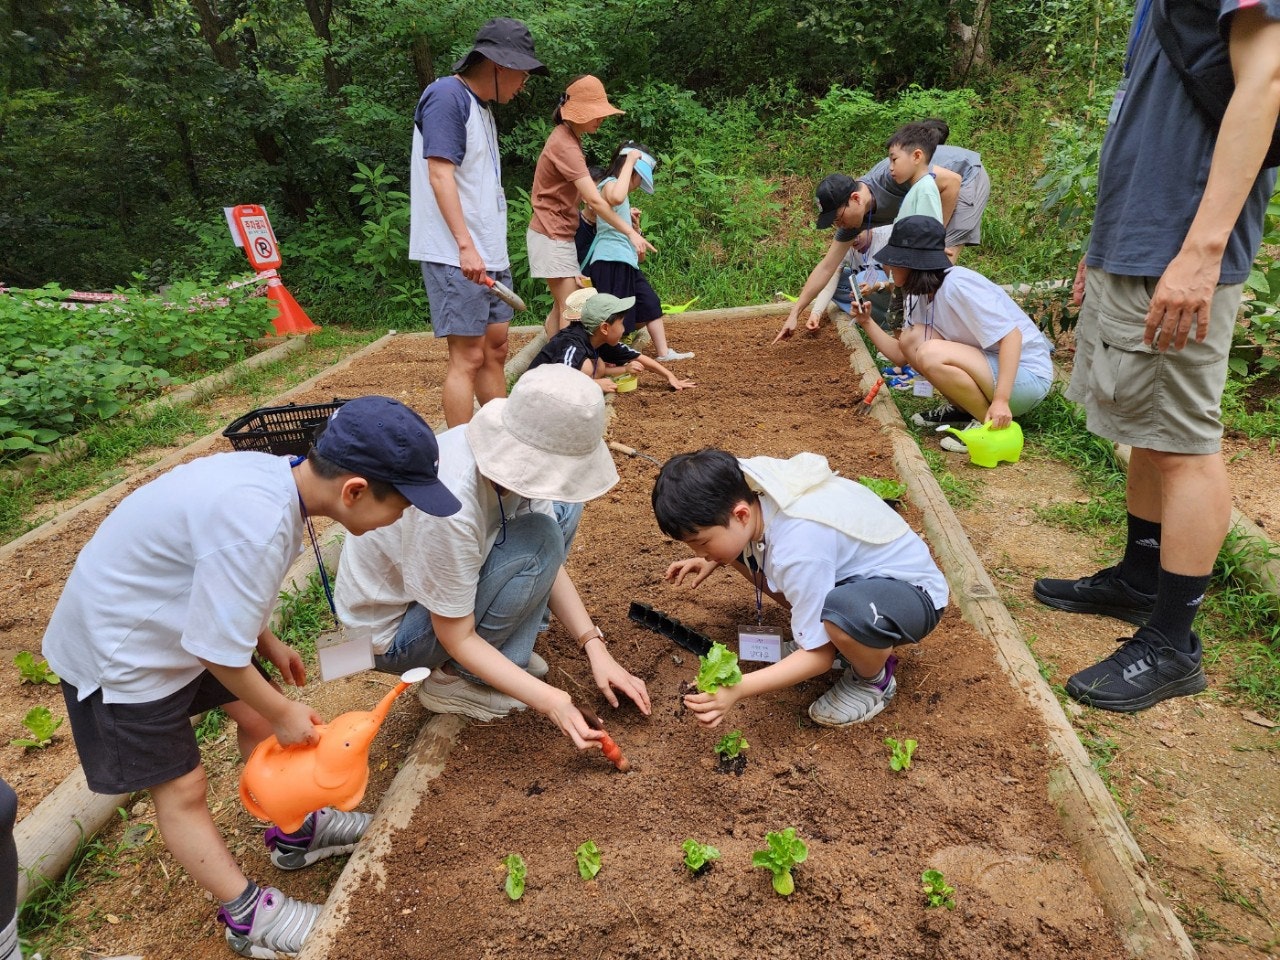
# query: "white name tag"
[[344, 651], [760, 644], [921, 387]]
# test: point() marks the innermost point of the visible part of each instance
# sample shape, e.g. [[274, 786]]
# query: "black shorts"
[[125, 747], [623, 280]]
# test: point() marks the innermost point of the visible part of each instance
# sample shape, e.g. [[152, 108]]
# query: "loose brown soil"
[[972, 804]]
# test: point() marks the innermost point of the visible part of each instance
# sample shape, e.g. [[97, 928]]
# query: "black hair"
[[914, 136], [940, 128], [698, 490], [326, 469], [619, 158], [923, 283]]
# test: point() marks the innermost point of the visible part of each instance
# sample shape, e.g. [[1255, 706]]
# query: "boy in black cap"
[[458, 212], [166, 608]]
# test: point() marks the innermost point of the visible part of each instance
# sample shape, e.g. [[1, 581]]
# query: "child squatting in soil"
[[166, 608], [592, 342], [857, 580]]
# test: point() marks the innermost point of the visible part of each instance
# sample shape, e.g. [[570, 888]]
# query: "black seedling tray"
[[669, 627], [284, 431]]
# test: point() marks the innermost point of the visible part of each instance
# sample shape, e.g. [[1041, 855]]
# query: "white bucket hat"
[[546, 441]]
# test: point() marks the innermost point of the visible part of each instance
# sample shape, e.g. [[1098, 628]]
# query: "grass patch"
[[304, 615], [959, 492]]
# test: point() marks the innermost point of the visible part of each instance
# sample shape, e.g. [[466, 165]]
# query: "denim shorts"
[[881, 612], [1028, 388], [460, 308]]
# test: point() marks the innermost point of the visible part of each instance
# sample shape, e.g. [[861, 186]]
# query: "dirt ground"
[[1200, 782]]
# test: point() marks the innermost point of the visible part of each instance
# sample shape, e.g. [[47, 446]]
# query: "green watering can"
[[988, 447]]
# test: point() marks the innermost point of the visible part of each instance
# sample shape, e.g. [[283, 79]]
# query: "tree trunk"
[[422, 67], [320, 12], [971, 41]]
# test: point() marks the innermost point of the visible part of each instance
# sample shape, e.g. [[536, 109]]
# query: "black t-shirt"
[[571, 346]]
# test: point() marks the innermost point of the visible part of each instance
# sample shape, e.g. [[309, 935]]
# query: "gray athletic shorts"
[[881, 612], [550, 259], [458, 306], [965, 226], [125, 747], [1132, 393]]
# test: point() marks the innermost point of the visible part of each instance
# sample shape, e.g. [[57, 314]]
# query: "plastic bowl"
[[626, 383]]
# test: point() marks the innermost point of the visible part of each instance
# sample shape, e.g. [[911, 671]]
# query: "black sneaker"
[[941, 415], [1103, 593], [1140, 674]]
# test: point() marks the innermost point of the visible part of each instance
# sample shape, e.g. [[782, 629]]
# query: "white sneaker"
[[441, 693], [333, 833], [854, 700], [954, 444], [537, 667], [671, 356], [277, 929]]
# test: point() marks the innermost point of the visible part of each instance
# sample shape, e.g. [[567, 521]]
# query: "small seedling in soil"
[[41, 725], [516, 871], [784, 852], [32, 669], [900, 752], [937, 893], [731, 749], [718, 668], [698, 856], [890, 491], [588, 857]]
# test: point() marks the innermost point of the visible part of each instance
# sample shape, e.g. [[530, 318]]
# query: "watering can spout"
[[379, 713], [988, 447]]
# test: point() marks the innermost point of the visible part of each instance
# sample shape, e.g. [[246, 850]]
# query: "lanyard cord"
[[502, 512], [1138, 23], [315, 546], [757, 577]]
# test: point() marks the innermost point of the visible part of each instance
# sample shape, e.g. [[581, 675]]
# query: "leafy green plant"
[[900, 752], [698, 856], [884, 489], [516, 871], [588, 857], [731, 745], [784, 851], [33, 669], [718, 668], [41, 725], [937, 892]]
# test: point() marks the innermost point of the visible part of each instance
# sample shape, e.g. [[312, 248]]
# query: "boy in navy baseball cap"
[[167, 614]]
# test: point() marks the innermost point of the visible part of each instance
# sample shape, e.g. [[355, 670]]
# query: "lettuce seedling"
[[937, 893], [33, 670], [516, 871], [698, 856], [785, 851], [588, 856], [718, 668], [41, 725], [900, 753], [884, 489], [732, 744]]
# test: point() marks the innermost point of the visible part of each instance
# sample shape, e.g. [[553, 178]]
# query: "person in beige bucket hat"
[[467, 595], [561, 182]]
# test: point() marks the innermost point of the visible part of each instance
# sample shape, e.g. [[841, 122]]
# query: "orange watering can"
[[284, 784]]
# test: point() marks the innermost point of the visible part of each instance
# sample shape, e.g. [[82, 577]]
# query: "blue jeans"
[[511, 597]]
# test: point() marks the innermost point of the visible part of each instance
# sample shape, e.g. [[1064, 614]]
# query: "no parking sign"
[[251, 229]]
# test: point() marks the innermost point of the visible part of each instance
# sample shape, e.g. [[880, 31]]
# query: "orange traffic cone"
[[290, 317]]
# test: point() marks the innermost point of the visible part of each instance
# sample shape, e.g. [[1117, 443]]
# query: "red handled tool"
[[865, 407], [504, 293]]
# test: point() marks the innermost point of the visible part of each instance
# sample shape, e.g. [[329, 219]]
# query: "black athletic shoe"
[[938, 416], [1140, 674], [1103, 593]]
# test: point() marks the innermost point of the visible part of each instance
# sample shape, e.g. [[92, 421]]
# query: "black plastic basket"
[[284, 431]]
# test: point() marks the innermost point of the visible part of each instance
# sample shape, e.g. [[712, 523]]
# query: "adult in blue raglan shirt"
[[1181, 203], [458, 212]]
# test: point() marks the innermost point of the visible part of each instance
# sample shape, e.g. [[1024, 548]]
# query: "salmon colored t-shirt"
[[555, 198]]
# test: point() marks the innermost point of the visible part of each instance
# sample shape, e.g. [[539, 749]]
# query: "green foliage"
[[900, 752], [588, 857], [516, 871], [33, 669], [718, 668], [41, 725], [211, 726], [1258, 330], [698, 856], [884, 489], [783, 852], [731, 745], [937, 893]]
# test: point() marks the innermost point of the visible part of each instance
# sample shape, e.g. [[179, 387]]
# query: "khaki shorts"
[[550, 259], [1132, 393]]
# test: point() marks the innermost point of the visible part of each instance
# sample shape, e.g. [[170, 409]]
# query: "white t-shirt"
[[804, 560], [968, 308], [433, 561], [188, 566]]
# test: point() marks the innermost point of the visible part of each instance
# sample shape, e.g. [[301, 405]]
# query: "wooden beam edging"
[[365, 874], [1111, 859]]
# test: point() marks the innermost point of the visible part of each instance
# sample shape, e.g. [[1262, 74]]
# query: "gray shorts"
[[1132, 393], [125, 747], [551, 259], [881, 612], [458, 306], [965, 226]]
